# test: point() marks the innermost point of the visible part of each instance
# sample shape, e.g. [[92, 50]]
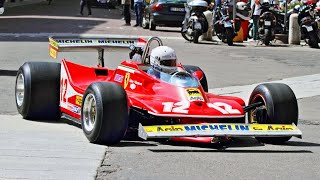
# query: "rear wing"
[[68, 44]]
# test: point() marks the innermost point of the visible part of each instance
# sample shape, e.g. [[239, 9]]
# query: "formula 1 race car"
[[110, 103]]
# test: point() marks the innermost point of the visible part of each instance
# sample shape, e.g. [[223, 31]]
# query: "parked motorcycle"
[[267, 24], [226, 28], [195, 22], [309, 26]]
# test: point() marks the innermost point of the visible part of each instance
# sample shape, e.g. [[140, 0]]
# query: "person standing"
[[138, 10], [126, 11], [256, 12], [85, 3]]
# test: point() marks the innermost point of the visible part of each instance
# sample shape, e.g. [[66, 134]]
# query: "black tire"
[[313, 40], [281, 107], [185, 36], [229, 36], [145, 24], [152, 26], [111, 113], [203, 81], [41, 93], [267, 37], [196, 36]]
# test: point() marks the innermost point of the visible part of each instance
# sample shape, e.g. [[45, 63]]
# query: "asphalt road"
[[42, 150]]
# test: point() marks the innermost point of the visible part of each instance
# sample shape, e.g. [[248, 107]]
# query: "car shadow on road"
[[228, 151], [301, 144]]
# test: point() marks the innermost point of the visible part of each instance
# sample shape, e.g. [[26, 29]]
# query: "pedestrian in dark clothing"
[[126, 11], [85, 3], [138, 10]]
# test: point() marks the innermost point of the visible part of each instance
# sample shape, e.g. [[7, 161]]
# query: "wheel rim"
[[89, 112], [253, 113], [20, 89]]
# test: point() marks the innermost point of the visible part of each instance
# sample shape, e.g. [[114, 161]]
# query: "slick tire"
[[37, 90], [203, 81], [229, 36], [281, 107], [313, 40], [104, 113]]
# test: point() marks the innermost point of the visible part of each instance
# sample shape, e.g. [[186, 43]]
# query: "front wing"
[[221, 129]]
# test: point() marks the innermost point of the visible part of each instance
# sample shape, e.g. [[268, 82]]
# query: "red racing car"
[[108, 103]]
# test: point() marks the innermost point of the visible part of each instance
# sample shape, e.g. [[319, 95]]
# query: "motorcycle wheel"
[[267, 37], [196, 36], [229, 36], [186, 36], [313, 40]]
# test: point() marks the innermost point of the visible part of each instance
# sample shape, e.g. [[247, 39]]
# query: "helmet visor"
[[169, 62]]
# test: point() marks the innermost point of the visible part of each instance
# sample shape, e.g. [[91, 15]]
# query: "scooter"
[[309, 26], [195, 22], [224, 25], [267, 24]]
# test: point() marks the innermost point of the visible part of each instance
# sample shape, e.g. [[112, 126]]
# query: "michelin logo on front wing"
[[220, 127]]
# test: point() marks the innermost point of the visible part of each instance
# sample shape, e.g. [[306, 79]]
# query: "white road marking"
[[302, 86]]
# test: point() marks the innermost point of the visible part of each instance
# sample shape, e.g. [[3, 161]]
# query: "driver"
[[162, 59]]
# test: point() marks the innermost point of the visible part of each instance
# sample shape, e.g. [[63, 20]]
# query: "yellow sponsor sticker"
[[194, 94], [219, 127], [78, 100], [53, 43], [53, 53], [126, 80]]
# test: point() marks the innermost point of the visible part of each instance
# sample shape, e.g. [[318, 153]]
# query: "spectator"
[[138, 10], [85, 3], [126, 11], [256, 12]]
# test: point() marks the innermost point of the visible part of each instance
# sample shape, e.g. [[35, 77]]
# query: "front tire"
[[279, 107], [104, 114], [37, 90]]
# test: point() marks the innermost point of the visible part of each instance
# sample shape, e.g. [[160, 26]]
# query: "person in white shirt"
[[256, 12]]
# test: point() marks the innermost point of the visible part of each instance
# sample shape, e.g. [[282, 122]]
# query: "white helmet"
[[163, 58], [1, 10], [241, 6]]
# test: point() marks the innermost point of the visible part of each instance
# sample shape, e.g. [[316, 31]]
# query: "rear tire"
[[313, 40], [229, 36], [267, 37], [37, 91], [152, 26], [104, 113], [196, 36], [145, 24], [281, 108]]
